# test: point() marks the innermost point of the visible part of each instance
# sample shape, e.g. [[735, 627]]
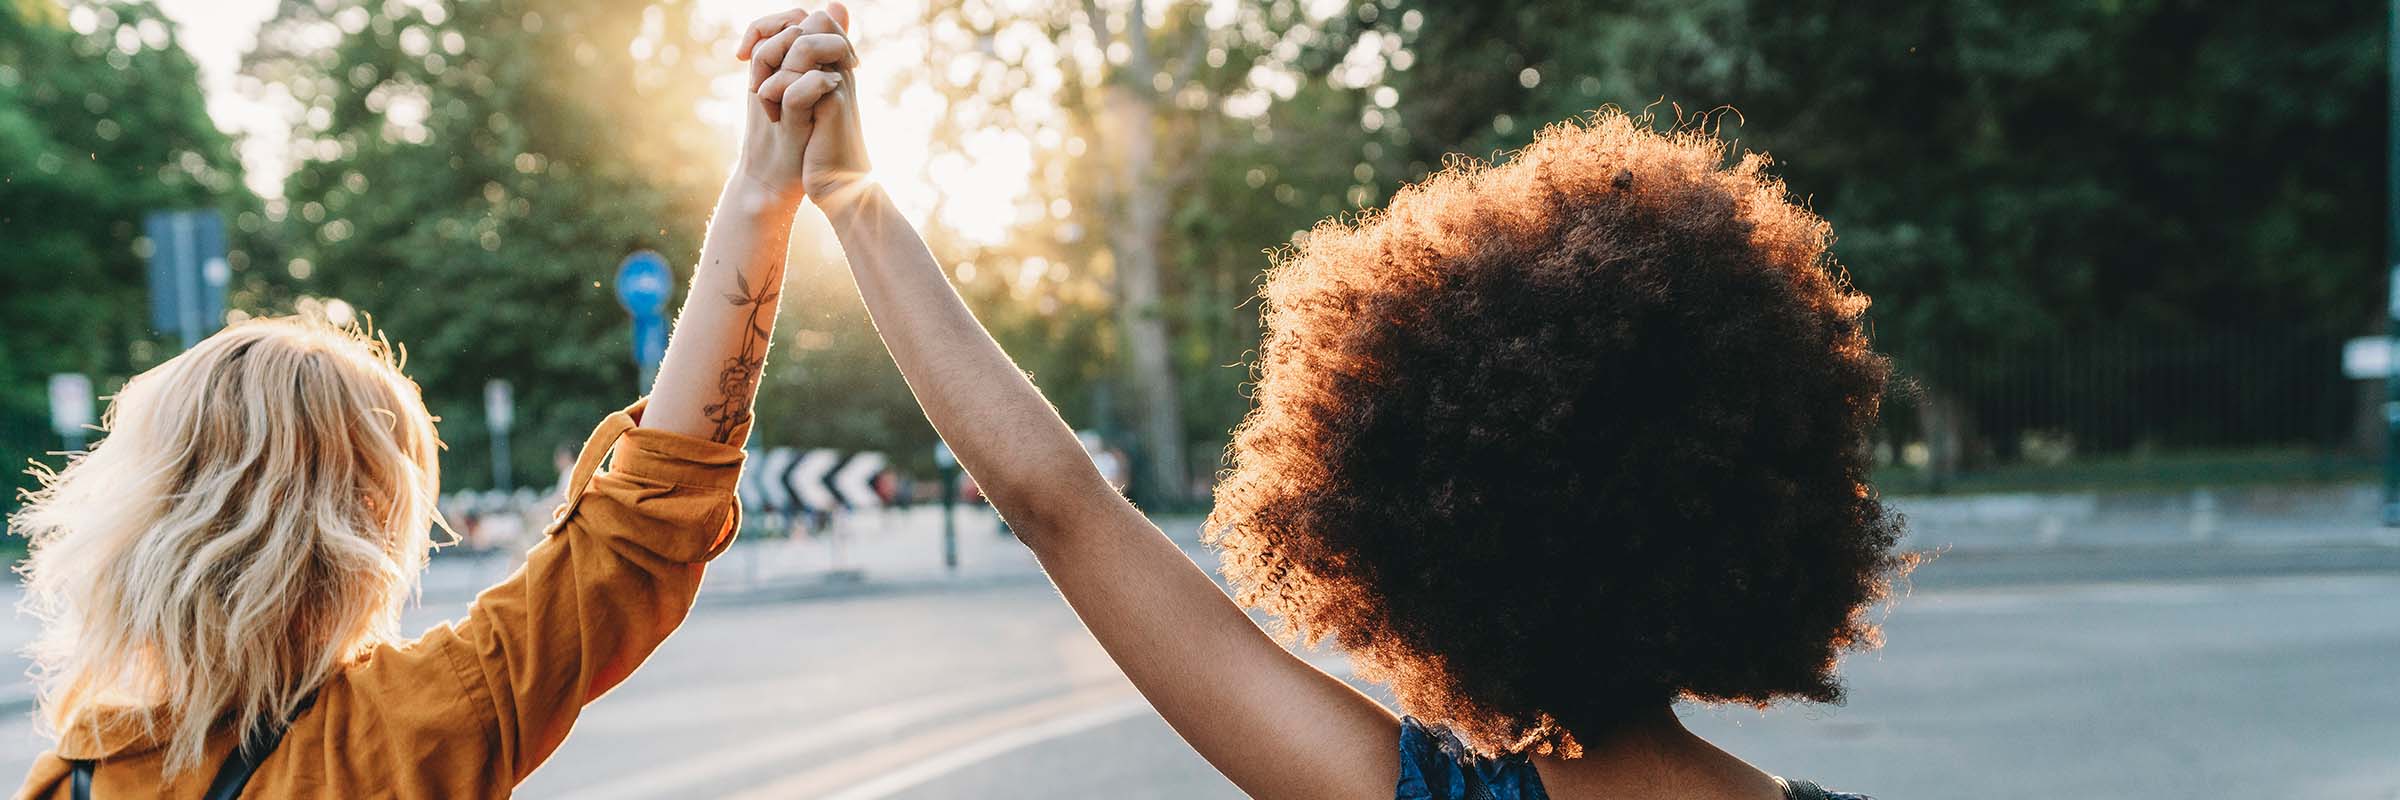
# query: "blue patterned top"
[[1434, 765]]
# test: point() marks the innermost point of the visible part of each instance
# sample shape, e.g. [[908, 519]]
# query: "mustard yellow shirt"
[[469, 710]]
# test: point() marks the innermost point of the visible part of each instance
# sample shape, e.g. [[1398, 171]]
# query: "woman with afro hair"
[[1544, 446]]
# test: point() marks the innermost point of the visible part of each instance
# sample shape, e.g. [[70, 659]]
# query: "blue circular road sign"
[[643, 283]]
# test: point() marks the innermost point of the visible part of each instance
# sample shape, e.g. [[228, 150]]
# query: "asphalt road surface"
[[2145, 674]]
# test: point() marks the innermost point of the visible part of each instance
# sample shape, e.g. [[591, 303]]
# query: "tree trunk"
[[1134, 243], [1945, 429], [1132, 111]]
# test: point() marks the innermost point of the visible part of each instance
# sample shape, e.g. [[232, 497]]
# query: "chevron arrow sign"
[[806, 479], [856, 480], [772, 493]]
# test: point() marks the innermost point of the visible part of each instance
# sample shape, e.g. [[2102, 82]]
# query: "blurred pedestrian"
[[1544, 446], [221, 578]]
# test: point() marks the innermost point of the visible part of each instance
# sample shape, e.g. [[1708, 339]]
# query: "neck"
[[1654, 757]]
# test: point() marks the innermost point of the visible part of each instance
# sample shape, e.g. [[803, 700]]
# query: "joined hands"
[[802, 137]]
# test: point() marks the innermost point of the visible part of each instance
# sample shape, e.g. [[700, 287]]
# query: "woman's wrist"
[[751, 198], [845, 202]]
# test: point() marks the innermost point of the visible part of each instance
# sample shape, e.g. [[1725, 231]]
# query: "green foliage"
[[2001, 175], [96, 130], [2006, 180], [477, 171], [1244, 165]]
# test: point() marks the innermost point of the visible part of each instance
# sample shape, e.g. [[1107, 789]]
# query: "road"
[[2090, 675]]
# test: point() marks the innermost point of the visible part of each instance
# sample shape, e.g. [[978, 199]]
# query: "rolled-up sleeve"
[[615, 575]]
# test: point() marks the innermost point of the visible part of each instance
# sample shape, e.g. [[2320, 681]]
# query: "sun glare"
[[977, 193], [973, 193]]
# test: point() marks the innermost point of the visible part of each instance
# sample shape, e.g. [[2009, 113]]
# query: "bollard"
[[2204, 515], [948, 462]]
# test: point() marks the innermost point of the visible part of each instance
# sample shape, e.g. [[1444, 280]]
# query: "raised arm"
[[619, 565], [709, 377], [1274, 725]]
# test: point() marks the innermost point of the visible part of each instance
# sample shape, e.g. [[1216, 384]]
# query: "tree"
[[472, 174], [1156, 126], [2012, 184], [101, 122]]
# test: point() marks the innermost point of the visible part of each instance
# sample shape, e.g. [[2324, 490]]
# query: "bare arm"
[[710, 374], [1276, 726]]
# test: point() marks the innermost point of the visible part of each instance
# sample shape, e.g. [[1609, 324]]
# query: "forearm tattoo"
[[738, 381]]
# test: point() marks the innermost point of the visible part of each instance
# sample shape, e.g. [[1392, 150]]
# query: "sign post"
[[70, 407], [643, 283], [499, 414], [2391, 251], [948, 462], [188, 272]]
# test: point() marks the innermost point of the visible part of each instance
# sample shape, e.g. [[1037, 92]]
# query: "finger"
[[823, 22], [770, 53], [819, 51], [772, 90], [766, 26], [828, 109], [775, 89], [803, 94], [841, 16], [819, 22]]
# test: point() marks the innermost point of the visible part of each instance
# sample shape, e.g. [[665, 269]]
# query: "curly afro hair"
[[1546, 446]]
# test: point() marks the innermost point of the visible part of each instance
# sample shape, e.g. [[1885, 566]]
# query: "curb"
[[853, 583], [2064, 565]]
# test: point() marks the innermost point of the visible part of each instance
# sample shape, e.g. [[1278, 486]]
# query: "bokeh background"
[[2116, 249], [2114, 241]]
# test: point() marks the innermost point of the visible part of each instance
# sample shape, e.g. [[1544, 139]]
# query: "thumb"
[[841, 16]]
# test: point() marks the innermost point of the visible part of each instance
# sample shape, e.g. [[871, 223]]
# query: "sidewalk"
[[868, 551], [2248, 517]]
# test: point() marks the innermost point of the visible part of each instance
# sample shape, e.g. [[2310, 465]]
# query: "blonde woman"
[[220, 578]]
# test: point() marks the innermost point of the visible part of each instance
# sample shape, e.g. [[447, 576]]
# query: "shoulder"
[[403, 717], [1435, 765], [47, 778], [426, 685]]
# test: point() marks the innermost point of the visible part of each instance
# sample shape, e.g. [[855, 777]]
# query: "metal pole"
[[950, 516], [2391, 228], [500, 476], [187, 278]]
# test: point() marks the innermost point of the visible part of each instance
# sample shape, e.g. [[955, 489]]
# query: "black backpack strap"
[[235, 774], [1803, 790]]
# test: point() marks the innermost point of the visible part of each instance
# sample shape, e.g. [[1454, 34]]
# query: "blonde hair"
[[255, 518]]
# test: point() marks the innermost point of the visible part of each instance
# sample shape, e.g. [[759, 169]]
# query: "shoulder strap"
[[232, 777], [235, 774], [1803, 790]]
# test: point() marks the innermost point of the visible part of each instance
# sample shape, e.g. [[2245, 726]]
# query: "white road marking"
[[898, 766], [921, 757], [681, 775], [953, 760]]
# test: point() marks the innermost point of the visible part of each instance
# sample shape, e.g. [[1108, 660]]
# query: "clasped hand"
[[801, 137]]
